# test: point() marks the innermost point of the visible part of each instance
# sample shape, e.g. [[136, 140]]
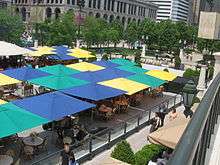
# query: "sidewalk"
[[137, 141]]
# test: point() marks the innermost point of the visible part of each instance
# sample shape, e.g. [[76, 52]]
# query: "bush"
[[177, 62], [123, 152], [105, 57], [196, 100], [166, 70], [147, 153], [190, 73]]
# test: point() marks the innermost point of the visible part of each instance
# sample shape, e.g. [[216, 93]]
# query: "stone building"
[[123, 10]]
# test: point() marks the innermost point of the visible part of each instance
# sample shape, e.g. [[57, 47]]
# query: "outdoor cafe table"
[[6, 160], [33, 141]]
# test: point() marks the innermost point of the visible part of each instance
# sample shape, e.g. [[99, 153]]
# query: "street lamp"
[[189, 92]]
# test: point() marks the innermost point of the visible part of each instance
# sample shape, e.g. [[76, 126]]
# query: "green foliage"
[[60, 31], [196, 100], [131, 33], [166, 70], [105, 57], [147, 153], [177, 61], [123, 152], [190, 73], [11, 27]]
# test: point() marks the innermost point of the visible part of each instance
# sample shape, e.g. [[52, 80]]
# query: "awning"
[[58, 82], [40, 51], [8, 49], [106, 64], [102, 75], [80, 53], [3, 102], [94, 92], [60, 57], [53, 106], [161, 75], [6, 80], [59, 70], [122, 61], [85, 66], [25, 73], [61, 53], [147, 80], [170, 133], [129, 86], [14, 120], [133, 69]]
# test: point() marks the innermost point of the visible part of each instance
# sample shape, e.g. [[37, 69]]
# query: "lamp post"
[[80, 4], [189, 92]]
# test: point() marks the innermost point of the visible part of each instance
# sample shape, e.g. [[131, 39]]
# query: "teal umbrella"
[[147, 80], [122, 61], [59, 70], [58, 82], [14, 120], [133, 69]]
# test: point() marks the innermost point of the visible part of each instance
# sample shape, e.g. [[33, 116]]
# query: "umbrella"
[[85, 66], [41, 51], [25, 73], [106, 64], [6, 80], [60, 57], [133, 69], [124, 84], [122, 61], [80, 53], [59, 70], [58, 82], [102, 75], [169, 134], [94, 92], [161, 75], [8, 49], [53, 106], [14, 119], [61, 53], [147, 80]]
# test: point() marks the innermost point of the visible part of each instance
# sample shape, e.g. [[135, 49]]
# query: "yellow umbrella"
[[40, 51], [6, 80], [85, 66], [124, 84], [2, 102], [163, 75], [80, 53]]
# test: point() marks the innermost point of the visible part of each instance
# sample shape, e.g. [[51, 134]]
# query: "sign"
[[209, 25]]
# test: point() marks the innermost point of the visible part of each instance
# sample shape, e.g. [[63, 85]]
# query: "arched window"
[[48, 12], [98, 15], [111, 18], [23, 13], [57, 13], [105, 16]]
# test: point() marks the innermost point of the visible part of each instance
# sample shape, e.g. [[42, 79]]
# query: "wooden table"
[[34, 142], [6, 160]]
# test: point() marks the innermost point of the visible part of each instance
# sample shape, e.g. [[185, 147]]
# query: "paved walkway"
[[137, 141]]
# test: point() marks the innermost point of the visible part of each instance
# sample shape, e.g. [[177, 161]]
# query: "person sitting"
[[67, 156], [173, 114]]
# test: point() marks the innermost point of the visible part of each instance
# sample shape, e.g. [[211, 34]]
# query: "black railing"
[[108, 137], [195, 140]]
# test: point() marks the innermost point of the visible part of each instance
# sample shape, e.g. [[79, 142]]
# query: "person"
[[162, 113], [156, 123], [67, 156], [173, 114]]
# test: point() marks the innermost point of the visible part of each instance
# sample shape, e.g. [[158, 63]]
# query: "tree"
[[60, 31], [11, 27], [131, 33]]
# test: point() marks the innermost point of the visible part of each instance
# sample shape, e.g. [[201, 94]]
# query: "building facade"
[[123, 10], [175, 10], [5, 3]]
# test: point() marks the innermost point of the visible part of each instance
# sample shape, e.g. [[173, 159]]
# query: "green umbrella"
[[122, 61], [147, 80], [59, 70], [14, 120], [133, 69], [58, 82]]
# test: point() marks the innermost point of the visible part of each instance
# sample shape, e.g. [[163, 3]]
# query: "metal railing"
[[193, 145], [108, 137]]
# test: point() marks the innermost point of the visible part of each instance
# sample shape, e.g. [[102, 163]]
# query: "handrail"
[[187, 147]]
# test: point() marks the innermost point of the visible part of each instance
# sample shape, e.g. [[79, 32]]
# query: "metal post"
[[149, 115], [138, 122], [125, 127], [90, 144], [109, 136], [174, 101]]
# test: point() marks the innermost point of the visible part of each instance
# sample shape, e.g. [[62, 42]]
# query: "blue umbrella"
[[94, 92], [53, 106]]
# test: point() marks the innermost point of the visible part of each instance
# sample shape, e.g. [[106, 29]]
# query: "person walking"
[[162, 113], [155, 123], [67, 156]]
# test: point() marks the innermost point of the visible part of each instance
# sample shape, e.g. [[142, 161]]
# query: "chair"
[[43, 146], [28, 152]]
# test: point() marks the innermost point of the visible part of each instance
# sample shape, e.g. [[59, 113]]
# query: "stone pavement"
[[137, 141]]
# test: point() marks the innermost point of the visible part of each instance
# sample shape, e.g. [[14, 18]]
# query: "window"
[[118, 3], [121, 7], [94, 4], [105, 4], [73, 2], [90, 3], [109, 4], [124, 9], [68, 1], [99, 4], [113, 5]]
